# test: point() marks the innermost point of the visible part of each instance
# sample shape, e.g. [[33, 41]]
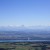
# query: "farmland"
[[24, 46]]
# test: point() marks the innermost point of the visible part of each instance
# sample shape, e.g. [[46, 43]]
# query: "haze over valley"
[[25, 33]]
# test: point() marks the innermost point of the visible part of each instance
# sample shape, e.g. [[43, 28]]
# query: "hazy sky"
[[24, 12]]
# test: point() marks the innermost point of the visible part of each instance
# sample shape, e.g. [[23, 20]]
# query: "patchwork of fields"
[[24, 46]]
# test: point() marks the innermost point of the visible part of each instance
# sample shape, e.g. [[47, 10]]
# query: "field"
[[24, 46]]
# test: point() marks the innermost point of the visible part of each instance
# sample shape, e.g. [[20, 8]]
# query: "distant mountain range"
[[15, 28], [25, 33]]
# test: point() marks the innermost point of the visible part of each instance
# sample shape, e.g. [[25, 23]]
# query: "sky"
[[24, 12]]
